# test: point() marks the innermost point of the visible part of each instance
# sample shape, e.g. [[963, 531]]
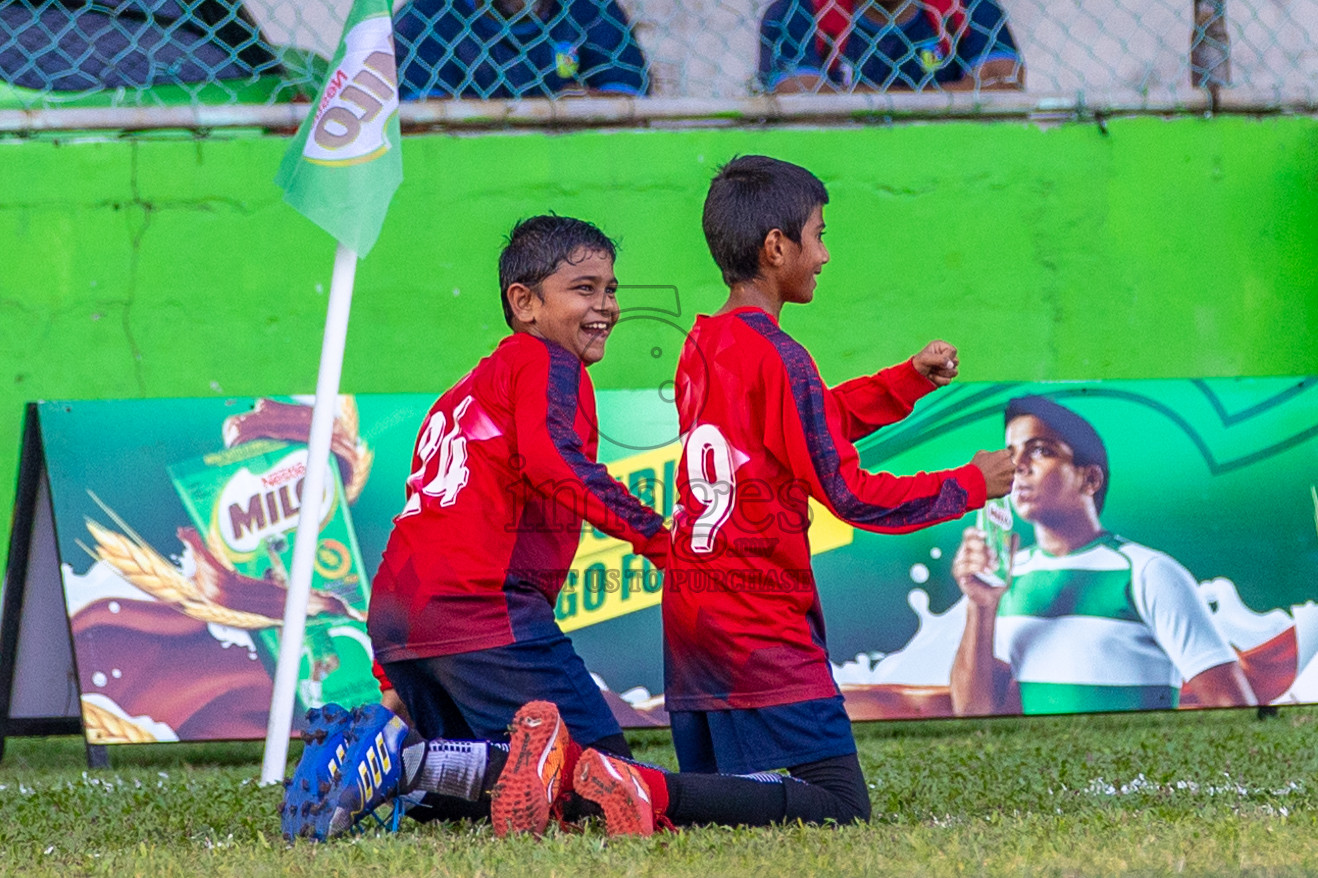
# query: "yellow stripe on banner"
[[608, 579]]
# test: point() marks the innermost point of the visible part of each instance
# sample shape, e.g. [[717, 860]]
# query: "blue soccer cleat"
[[351, 766]]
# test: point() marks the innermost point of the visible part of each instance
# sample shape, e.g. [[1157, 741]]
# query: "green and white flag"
[[346, 161]]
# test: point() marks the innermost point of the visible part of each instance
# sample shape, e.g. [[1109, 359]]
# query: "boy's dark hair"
[[749, 197], [538, 245], [1086, 445]]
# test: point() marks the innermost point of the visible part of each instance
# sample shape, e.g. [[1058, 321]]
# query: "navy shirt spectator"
[[78, 47], [516, 48], [827, 45]]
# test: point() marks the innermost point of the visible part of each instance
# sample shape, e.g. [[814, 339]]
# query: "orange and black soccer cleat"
[[533, 775], [618, 788]]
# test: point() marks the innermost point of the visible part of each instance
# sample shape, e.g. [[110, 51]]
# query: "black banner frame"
[[33, 523]]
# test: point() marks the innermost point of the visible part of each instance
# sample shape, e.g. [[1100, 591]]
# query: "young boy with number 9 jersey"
[[748, 683]]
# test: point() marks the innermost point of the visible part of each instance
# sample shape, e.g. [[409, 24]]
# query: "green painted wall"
[[169, 266]]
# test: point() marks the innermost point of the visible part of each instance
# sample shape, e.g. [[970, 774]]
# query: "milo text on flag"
[[343, 166]]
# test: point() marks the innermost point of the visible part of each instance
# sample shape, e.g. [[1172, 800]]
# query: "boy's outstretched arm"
[[873, 401], [550, 398], [805, 429]]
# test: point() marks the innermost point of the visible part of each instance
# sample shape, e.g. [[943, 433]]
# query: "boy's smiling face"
[[805, 260], [575, 307]]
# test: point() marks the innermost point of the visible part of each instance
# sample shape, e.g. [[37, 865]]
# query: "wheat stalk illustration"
[[148, 570], [349, 422], [105, 727], [134, 559]]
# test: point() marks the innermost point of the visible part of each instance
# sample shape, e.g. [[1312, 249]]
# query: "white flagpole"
[[280, 725]]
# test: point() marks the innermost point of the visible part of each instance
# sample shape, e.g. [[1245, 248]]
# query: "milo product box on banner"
[[245, 502], [996, 521]]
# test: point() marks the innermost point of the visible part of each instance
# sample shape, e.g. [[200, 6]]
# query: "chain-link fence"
[[705, 54]]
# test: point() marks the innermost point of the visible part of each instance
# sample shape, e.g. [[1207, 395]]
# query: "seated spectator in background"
[[887, 45], [516, 48], [66, 51]]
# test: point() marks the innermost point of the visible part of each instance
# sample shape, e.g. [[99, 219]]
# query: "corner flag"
[[340, 171], [343, 166]]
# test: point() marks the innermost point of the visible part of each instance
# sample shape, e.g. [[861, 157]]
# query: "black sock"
[[725, 799], [498, 758], [433, 806], [829, 790], [833, 789], [614, 745]]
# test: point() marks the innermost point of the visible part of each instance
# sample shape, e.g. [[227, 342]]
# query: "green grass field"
[[1218, 792]]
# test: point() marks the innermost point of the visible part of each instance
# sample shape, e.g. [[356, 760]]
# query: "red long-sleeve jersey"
[[743, 627], [503, 473]]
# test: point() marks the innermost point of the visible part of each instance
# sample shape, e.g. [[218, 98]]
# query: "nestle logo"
[[999, 515], [284, 475]]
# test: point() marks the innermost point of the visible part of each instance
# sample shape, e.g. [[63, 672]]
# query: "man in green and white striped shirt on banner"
[[1090, 621]]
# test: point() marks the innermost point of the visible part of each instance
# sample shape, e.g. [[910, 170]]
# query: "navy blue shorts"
[[761, 739], [473, 695]]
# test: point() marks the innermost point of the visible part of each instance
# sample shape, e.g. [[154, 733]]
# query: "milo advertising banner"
[[173, 522], [1198, 587]]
